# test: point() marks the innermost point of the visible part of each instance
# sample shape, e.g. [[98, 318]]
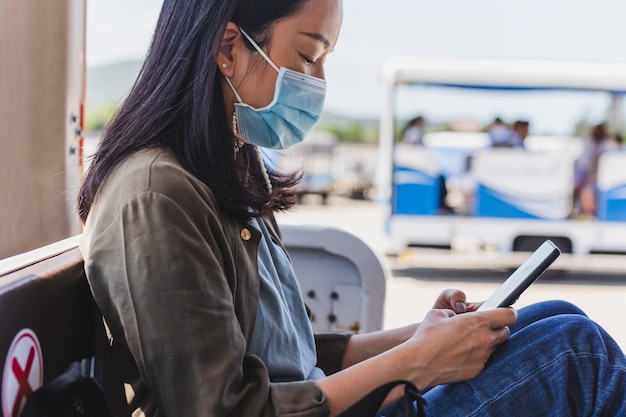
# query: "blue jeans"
[[556, 363]]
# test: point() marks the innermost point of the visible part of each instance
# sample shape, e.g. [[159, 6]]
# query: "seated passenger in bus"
[[414, 135], [499, 134], [414, 132], [519, 132]]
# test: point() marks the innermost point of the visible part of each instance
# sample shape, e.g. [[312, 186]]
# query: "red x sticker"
[[23, 372]]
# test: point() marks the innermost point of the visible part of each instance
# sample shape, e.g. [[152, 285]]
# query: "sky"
[[374, 31]]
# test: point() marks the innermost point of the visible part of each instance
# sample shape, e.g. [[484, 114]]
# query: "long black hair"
[[177, 103]]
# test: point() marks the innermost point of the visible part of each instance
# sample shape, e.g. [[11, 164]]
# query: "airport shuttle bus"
[[512, 199]]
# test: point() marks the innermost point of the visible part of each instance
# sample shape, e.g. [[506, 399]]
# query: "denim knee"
[[543, 310], [558, 307], [562, 364]]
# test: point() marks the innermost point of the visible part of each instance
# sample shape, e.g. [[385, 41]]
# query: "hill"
[[107, 86]]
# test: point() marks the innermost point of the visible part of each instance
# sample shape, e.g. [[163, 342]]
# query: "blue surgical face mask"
[[296, 108]]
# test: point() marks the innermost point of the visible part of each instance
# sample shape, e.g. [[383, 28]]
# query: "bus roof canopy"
[[505, 74], [496, 74]]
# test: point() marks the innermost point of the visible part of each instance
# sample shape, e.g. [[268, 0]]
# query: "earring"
[[238, 142], [266, 177], [224, 65]]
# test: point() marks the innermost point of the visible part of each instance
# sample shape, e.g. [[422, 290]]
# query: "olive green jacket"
[[177, 282]]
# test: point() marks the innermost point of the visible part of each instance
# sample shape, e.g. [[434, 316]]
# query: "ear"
[[228, 53]]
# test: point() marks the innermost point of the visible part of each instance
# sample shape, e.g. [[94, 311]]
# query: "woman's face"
[[300, 42]]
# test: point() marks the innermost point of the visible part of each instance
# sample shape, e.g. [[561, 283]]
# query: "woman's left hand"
[[454, 300]]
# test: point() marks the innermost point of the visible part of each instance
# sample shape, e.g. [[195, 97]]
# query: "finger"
[[454, 299], [457, 301], [473, 306], [440, 314], [501, 317], [501, 335]]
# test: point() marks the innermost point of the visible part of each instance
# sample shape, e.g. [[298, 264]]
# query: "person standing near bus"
[[586, 172], [184, 257]]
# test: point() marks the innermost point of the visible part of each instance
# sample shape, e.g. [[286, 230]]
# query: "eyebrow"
[[317, 37]]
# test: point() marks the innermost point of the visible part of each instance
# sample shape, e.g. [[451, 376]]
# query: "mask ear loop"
[[259, 50], [266, 176], [233, 88], [239, 142]]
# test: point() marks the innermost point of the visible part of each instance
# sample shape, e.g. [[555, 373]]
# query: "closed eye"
[[308, 61]]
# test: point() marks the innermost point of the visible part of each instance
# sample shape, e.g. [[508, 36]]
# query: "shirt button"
[[245, 234]]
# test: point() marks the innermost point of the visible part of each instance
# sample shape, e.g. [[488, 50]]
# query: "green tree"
[[99, 118]]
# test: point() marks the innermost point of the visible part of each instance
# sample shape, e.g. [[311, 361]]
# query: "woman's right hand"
[[446, 347], [449, 348]]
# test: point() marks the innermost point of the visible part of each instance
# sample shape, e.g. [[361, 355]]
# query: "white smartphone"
[[526, 274]]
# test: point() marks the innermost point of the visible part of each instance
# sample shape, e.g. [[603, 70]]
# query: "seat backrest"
[[46, 319], [342, 279]]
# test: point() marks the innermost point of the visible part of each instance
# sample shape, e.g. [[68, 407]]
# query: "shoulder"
[[151, 178], [150, 169], [156, 171]]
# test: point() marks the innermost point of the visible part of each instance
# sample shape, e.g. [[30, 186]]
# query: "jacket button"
[[245, 234]]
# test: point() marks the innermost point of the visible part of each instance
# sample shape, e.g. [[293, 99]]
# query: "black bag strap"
[[411, 404], [79, 391]]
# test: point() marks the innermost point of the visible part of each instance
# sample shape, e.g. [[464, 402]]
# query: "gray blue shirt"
[[283, 337]]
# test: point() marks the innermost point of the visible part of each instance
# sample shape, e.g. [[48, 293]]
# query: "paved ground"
[[597, 285]]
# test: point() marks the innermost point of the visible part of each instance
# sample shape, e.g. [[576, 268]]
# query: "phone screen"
[[523, 276]]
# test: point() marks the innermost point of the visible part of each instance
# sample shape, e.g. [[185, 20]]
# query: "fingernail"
[[460, 307]]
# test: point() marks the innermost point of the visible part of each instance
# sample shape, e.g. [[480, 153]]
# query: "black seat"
[[48, 319]]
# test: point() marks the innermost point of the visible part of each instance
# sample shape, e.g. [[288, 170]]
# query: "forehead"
[[317, 17]]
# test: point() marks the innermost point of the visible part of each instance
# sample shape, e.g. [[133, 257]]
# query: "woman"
[[184, 257]]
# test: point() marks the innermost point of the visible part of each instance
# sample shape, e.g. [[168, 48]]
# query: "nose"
[[319, 72]]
